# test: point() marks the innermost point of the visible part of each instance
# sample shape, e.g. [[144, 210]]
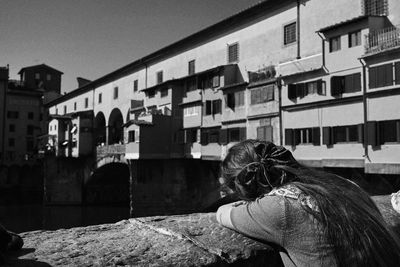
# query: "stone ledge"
[[182, 240]]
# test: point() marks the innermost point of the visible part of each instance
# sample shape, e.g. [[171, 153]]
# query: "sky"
[[91, 38]]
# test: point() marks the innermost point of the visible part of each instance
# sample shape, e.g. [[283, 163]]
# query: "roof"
[[345, 22], [137, 122], [235, 20], [39, 66]]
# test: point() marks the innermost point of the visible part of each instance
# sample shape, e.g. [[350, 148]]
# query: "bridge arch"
[[100, 128], [115, 130]]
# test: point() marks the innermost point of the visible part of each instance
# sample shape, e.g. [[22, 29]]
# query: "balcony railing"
[[381, 40]]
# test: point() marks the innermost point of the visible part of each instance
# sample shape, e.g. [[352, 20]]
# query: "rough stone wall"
[[184, 240]]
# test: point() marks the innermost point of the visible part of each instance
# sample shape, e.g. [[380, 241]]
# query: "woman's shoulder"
[[291, 191]]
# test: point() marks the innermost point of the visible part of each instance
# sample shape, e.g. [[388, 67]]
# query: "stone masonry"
[[180, 240]]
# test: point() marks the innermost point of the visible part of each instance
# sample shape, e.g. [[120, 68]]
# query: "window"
[[262, 95], [216, 106], [215, 81], [100, 98], [65, 109], [191, 135], [29, 129], [159, 76], [289, 33], [56, 111], [135, 85], [354, 38], [190, 111], [12, 114], [303, 89], [233, 53], [342, 134], [164, 92], [191, 85], [86, 102], [37, 76], [116, 92], [380, 76], [303, 136], [235, 99], [131, 136], [191, 67], [30, 115], [48, 77], [375, 7], [75, 106], [234, 135], [11, 128], [214, 136], [397, 72], [334, 44], [265, 133], [11, 142], [345, 84], [151, 93], [389, 131]]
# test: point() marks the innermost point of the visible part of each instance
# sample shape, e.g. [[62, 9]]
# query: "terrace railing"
[[382, 40]]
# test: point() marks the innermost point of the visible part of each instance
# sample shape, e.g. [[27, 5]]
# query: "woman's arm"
[[263, 219]]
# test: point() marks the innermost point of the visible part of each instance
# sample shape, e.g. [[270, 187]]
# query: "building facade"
[[311, 75]]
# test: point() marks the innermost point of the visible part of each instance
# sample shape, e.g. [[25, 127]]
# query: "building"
[[293, 72], [23, 121]]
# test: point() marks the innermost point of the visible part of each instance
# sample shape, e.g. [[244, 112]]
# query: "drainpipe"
[[279, 83], [323, 50], [364, 82], [298, 29]]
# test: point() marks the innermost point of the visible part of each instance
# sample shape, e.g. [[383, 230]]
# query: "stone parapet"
[[181, 240]]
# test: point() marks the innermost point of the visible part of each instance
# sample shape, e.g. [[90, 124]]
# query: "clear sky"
[[90, 38]]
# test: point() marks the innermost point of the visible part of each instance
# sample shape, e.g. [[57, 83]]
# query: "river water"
[[22, 218]]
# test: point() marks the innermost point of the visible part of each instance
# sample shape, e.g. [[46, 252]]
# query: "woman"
[[314, 218]]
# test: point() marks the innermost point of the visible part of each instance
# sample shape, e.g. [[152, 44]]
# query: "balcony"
[[382, 40]]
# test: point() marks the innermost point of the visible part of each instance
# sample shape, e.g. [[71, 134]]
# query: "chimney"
[[82, 81]]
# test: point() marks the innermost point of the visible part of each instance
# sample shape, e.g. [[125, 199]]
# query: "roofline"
[[40, 65], [347, 22], [222, 25]]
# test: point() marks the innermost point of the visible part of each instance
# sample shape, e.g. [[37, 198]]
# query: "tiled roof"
[[344, 22]]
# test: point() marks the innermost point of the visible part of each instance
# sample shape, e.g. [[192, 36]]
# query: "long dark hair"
[[351, 222]]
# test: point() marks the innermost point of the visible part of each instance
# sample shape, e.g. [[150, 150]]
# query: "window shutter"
[[336, 85], [327, 136], [319, 87], [270, 92], [215, 80], [242, 133], [269, 133], [301, 89], [381, 76], [316, 136], [348, 84], [292, 91], [397, 72], [289, 137], [372, 77], [372, 133], [297, 136], [204, 138], [219, 106], [357, 82], [231, 100], [389, 74], [223, 137], [260, 133], [360, 133], [380, 133], [208, 107]]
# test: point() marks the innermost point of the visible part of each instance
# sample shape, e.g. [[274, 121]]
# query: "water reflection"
[[22, 218]]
